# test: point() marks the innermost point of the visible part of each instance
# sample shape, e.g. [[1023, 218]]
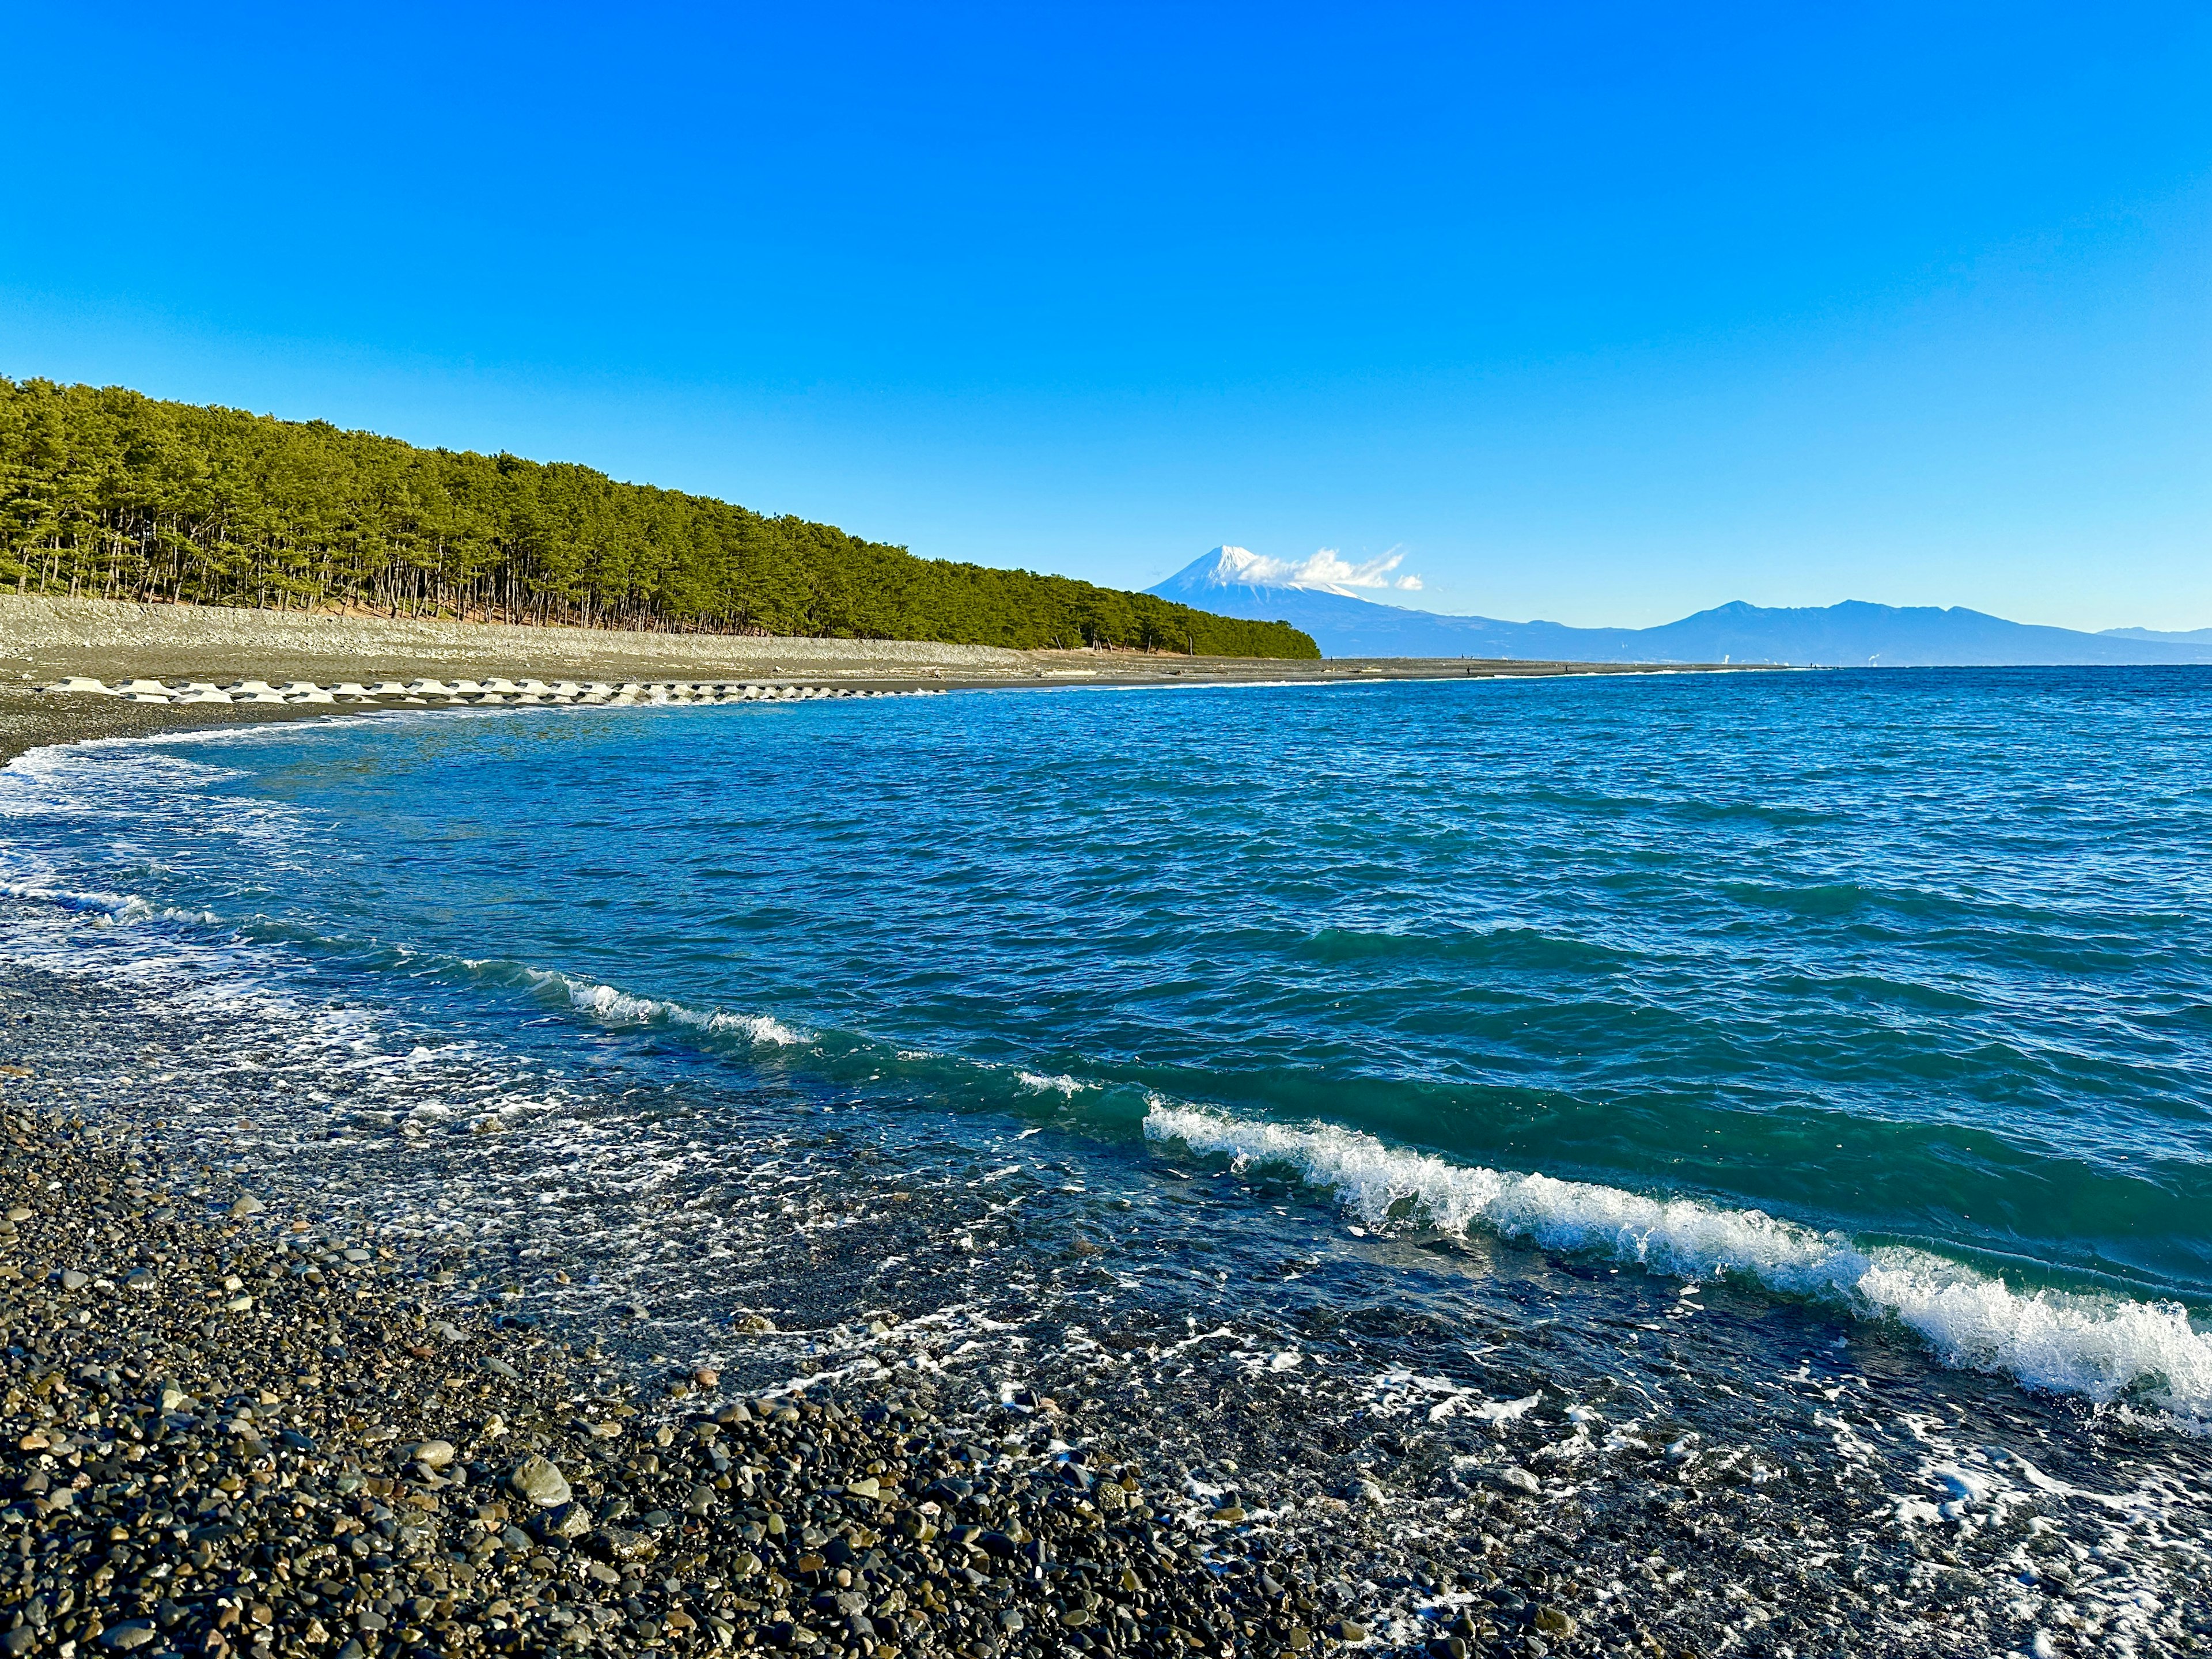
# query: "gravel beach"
[[53, 637], [229, 1431], [332, 1328], [43, 640], [284, 1378]]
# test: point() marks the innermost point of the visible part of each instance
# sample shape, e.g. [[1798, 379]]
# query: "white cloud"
[[1328, 570]]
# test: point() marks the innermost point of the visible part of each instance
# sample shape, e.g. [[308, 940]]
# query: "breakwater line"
[[492, 690]]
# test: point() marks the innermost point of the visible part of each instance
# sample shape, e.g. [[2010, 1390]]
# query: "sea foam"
[[614, 1007], [1041, 1082], [2099, 1347]]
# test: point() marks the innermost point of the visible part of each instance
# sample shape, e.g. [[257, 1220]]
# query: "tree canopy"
[[106, 493]]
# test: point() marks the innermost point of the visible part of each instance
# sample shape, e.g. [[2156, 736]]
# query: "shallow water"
[[1430, 1041]]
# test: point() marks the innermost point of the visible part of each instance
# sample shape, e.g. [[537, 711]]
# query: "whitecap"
[[2099, 1347], [1038, 1083], [618, 1007]]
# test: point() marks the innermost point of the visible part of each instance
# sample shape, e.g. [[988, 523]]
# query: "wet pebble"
[[239, 1459]]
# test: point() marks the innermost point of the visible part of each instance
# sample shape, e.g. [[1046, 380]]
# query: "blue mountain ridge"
[[1854, 633], [2189, 636]]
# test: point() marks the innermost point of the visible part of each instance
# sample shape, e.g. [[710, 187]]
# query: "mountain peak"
[[1229, 567], [1327, 572]]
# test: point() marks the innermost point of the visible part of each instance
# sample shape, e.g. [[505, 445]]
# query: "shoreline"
[[275, 1438], [33, 719], [44, 640], [1392, 1443], [49, 639]]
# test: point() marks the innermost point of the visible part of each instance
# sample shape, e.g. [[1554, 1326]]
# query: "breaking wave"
[[613, 1007], [1039, 1083], [2099, 1347]]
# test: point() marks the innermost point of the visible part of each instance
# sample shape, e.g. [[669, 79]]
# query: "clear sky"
[[1597, 313]]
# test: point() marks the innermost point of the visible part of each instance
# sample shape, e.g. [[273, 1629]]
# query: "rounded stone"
[[540, 1481]]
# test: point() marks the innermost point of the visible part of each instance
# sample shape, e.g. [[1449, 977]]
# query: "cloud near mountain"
[[1327, 572]]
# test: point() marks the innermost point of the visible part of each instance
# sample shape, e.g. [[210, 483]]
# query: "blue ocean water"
[[1892, 992]]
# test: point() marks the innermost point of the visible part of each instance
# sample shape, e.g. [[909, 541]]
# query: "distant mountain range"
[[1854, 633], [2193, 636]]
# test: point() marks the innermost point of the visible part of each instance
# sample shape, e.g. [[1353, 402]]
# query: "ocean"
[[1787, 1093]]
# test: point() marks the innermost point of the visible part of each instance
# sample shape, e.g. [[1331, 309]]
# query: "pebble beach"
[[250, 1408], [229, 1432], [474, 1307]]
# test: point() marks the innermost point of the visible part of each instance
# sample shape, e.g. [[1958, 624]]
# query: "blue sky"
[[1597, 313]]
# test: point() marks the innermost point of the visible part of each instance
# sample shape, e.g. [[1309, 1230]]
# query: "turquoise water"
[[1891, 991]]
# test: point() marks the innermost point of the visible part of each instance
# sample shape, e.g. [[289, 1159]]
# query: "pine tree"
[[105, 493]]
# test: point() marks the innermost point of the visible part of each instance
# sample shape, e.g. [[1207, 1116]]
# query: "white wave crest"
[[605, 1002], [1038, 1083], [2098, 1347], [105, 909]]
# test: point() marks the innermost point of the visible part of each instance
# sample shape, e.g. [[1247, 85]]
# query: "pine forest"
[[108, 494]]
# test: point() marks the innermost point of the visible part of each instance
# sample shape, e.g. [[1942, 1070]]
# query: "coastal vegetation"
[[107, 493]]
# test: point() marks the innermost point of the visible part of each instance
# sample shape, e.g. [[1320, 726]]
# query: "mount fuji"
[[1232, 581]]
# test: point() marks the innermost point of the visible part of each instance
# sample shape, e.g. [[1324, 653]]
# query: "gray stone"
[[248, 1205], [572, 1521], [74, 1281], [537, 1479]]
